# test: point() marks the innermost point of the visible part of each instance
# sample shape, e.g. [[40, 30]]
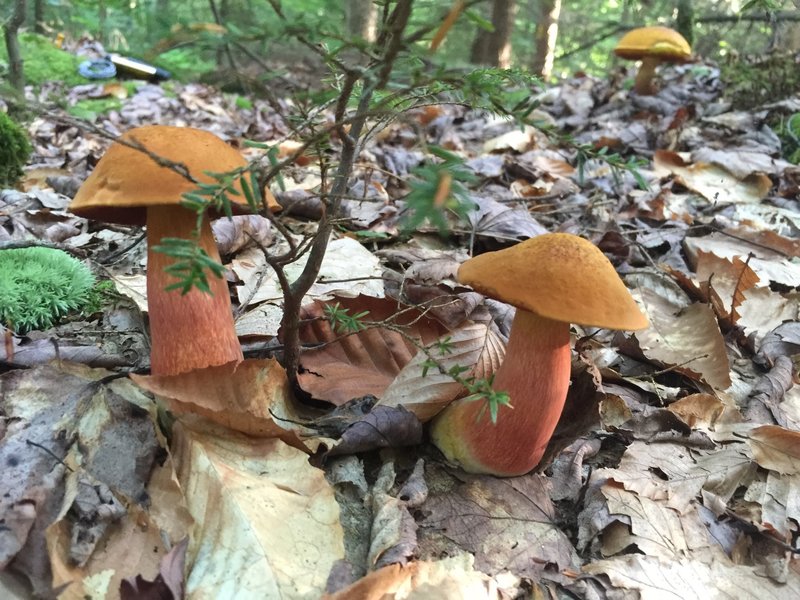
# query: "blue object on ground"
[[100, 68]]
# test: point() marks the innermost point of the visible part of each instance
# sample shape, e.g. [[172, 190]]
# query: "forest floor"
[[675, 469]]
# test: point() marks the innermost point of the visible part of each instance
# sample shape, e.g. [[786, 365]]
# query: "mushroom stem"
[[535, 374], [644, 78], [193, 330]]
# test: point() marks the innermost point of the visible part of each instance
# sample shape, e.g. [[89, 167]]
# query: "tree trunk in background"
[[361, 17], [546, 36], [15, 73], [493, 48], [685, 20], [38, 17], [102, 14], [791, 36]]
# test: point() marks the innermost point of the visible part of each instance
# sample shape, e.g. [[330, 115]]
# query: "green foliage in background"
[[44, 62], [38, 286], [788, 130], [14, 151]]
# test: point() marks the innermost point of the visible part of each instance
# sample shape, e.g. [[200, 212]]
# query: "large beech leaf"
[[688, 338], [267, 523], [477, 347], [355, 365], [242, 396]]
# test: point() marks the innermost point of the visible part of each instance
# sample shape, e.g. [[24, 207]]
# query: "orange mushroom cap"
[[558, 276], [126, 182], [662, 42]]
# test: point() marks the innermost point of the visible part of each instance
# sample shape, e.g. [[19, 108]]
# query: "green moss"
[[38, 286], [44, 62], [14, 151]]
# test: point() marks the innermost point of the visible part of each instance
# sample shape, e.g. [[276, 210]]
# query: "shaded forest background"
[[196, 39]]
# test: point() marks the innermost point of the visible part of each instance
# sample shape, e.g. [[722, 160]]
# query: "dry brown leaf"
[[506, 523], [241, 231], [699, 410], [763, 310], [652, 578], [776, 448], [364, 363], [351, 268], [475, 346], [267, 523], [453, 577], [728, 280], [134, 546], [242, 396], [714, 183], [769, 265], [687, 338]]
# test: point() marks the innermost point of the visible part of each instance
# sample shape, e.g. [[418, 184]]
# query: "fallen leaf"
[[267, 523], [687, 338], [776, 448], [714, 183]]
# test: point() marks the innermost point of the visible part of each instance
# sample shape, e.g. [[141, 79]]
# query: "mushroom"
[[652, 45], [554, 279], [192, 330]]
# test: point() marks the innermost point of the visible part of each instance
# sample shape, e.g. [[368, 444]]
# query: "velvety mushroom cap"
[[558, 276], [126, 182], [661, 42]]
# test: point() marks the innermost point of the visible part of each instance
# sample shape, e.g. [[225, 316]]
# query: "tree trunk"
[[15, 73], [546, 36], [38, 17], [361, 17], [493, 48], [685, 20]]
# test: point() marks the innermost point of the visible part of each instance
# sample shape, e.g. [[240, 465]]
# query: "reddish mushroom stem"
[[193, 330], [535, 374], [644, 77]]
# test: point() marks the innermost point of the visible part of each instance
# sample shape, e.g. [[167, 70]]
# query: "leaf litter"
[[674, 467]]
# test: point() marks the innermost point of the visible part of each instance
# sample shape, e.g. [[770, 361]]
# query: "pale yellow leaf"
[[267, 523]]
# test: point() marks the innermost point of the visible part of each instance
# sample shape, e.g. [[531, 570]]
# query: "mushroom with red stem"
[[553, 280], [189, 330]]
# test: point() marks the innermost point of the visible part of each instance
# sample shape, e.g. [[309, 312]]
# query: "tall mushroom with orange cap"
[[652, 46], [554, 279], [188, 331]]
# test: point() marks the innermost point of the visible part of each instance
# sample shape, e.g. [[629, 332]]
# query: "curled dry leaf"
[[453, 577], [382, 427], [241, 396], [240, 231]]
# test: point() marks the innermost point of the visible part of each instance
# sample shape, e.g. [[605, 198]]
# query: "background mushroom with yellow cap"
[[187, 331], [652, 46], [554, 279]]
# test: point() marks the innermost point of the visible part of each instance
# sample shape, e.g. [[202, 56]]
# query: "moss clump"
[[14, 151], [38, 286], [43, 62]]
